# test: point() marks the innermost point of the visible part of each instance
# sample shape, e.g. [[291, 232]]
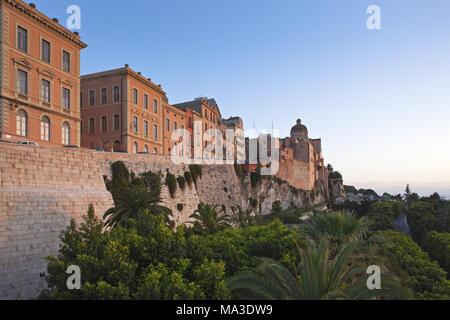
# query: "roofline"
[[126, 71], [46, 21]]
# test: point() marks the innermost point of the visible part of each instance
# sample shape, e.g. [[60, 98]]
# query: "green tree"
[[208, 218], [240, 218], [438, 247], [132, 203], [426, 279], [320, 278]]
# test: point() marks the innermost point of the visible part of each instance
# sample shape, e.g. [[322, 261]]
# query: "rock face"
[[336, 187], [43, 188]]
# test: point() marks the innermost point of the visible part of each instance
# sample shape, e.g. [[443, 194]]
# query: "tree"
[[426, 279], [208, 218], [132, 203], [240, 218], [438, 247], [320, 278]]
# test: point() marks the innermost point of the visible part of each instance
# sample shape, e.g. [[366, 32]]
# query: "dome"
[[299, 129]]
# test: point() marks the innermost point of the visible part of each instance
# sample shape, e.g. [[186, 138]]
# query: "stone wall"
[[43, 188]]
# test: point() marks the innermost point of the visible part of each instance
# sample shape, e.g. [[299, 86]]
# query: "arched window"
[[116, 145], [65, 133], [155, 151], [22, 123], [135, 147], [146, 149], [45, 128]]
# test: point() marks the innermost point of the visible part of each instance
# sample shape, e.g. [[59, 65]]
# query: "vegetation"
[[208, 218], [426, 279], [196, 172], [181, 182], [188, 178], [171, 183], [255, 177], [438, 247], [243, 255]]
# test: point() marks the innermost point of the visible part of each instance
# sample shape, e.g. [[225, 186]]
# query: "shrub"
[[276, 207], [120, 179], [180, 207], [171, 183], [238, 170], [438, 247], [196, 172], [188, 177], [255, 177], [181, 182], [254, 203], [152, 181]]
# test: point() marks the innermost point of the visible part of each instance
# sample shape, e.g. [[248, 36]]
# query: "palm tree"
[[133, 203], [338, 227], [209, 218], [321, 278], [240, 218]]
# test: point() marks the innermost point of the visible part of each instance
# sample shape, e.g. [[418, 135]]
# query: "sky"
[[379, 99]]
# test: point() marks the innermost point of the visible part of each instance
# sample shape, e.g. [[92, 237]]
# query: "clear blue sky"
[[380, 100]]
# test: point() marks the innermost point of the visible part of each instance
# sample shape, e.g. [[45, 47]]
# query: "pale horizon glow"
[[380, 100]]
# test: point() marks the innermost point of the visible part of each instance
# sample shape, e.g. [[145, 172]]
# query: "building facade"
[[40, 77], [122, 111]]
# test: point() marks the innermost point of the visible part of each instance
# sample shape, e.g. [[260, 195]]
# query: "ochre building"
[[40, 77]]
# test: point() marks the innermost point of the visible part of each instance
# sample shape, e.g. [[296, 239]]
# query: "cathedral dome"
[[299, 129]]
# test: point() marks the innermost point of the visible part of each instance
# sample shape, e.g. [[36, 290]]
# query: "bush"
[[254, 203], [196, 172], [152, 181], [238, 170], [181, 182], [180, 207], [171, 183], [276, 207], [188, 178], [255, 177], [438, 247], [120, 179], [426, 279]]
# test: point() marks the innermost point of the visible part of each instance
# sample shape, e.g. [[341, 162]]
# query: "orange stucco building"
[[122, 111], [40, 77]]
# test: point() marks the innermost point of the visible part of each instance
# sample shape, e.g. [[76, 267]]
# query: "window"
[[145, 101], [91, 124], [116, 122], [155, 106], [146, 148], [22, 39], [104, 123], [146, 128], [155, 131], [135, 96], [116, 94], [45, 128], [65, 133], [66, 61], [81, 99], [45, 51], [175, 125], [135, 124], [135, 147], [22, 123], [206, 114], [155, 151], [66, 98], [91, 97], [22, 82], [167, 124], [45, 90], [104, 92]]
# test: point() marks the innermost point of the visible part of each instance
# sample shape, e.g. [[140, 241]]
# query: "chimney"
[[127, 65], [33, 5], [56, 20], [139, 73]]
